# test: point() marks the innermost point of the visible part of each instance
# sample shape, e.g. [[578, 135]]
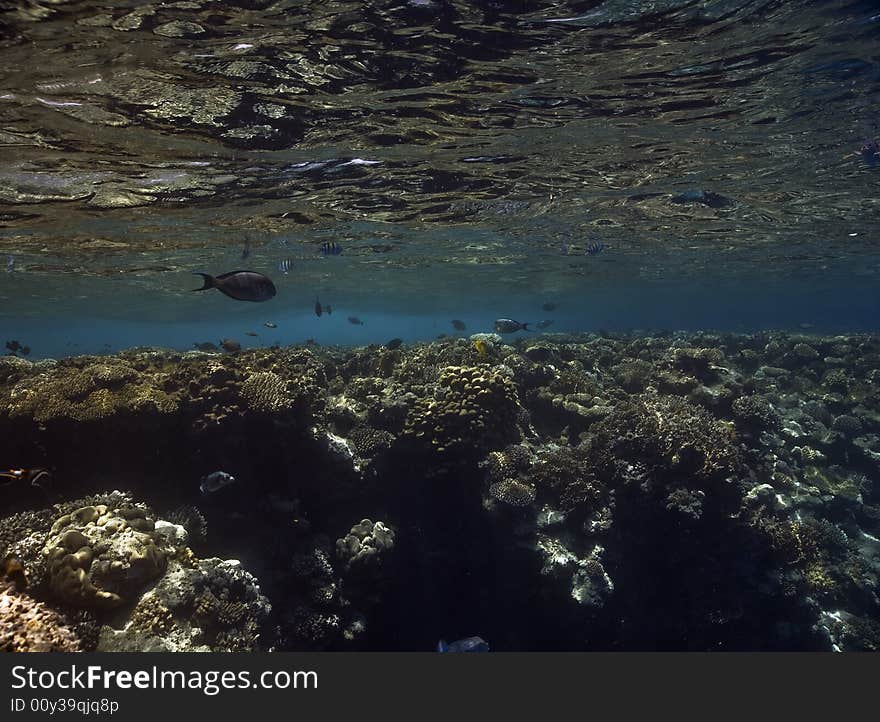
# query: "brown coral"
[[27, 625], [96, 555], [474, 408]]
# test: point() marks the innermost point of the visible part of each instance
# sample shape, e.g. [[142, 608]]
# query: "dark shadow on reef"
[[678, 492]]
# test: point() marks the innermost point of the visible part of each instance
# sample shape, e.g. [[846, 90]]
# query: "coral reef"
[[710, 490], [27, 625], [365, 545], [96, 556], [473, 409]]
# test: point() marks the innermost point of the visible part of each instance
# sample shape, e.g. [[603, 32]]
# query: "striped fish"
[[331, 249]]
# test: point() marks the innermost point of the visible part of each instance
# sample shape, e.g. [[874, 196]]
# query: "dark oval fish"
[[469, 644], [331, 249], [458, 325], [240, 285], [394, 343], [869, 151], [595, 248], [227, 344], [214, 482], [507, 325], [318, 309], [550, 306], [355, 320], [251, 333], [286, 266]]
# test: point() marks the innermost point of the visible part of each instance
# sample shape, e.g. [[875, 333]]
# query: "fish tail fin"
[[442, 646], [525, 327], [209, 281]]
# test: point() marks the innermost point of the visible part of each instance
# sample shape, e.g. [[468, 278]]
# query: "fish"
[[269, 324], [40, 478], [544, 324], [355, 320], [15, 348], [286, 266], [240, 285], [205, 346], [394, 343], [251, 333], [507, 325], [329, 310], [468, 644], [246, 250], [215, 481], [228, 344], [870, 152], [595, 248], [318, 309], [706, 198], [550, 306], [331, 249], [12, 570], [482, 347], [10, 264], [458, 325]]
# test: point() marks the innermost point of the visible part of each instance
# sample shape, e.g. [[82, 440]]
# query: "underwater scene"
[[432, 325]]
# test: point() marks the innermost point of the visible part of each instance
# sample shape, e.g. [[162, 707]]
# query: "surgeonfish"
[[240, 285], [507, 325]]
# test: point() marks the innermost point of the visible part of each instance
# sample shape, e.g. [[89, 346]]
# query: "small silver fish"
[[286, 266], [10, 263], [269, 324], [215, 481]]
